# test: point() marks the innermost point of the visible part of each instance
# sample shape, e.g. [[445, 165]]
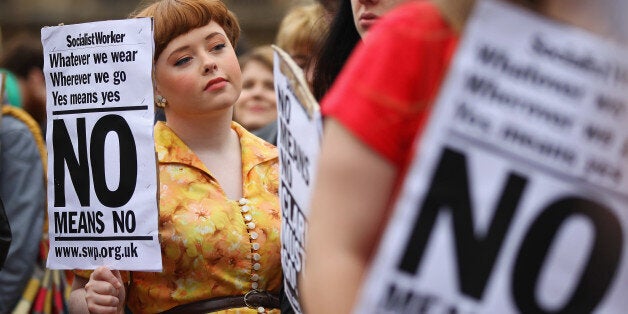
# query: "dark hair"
[[23, 53], [337, 47]]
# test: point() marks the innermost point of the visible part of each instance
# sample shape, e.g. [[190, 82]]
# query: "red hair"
[[173, 18]]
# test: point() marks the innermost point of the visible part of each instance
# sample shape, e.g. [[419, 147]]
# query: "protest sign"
[[516, 201], [102, 177], [298, 139]]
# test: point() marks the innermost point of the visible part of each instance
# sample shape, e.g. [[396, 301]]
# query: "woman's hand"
[[105, 292]]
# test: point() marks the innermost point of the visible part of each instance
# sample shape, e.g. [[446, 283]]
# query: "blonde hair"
[[173, 18], [304, 27]]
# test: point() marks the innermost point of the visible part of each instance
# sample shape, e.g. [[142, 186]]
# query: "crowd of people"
[[375, 66]]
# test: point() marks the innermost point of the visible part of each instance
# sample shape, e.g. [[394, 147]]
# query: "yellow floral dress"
[[212, 246]]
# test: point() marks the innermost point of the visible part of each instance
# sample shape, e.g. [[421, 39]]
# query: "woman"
[[350, 25], [301, 33], [256, 109], [374, 112], [219, 215]]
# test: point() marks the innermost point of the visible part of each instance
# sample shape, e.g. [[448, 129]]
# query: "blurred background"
[[259, 19]]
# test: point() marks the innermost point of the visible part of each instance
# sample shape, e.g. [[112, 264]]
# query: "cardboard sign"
[[298, 139], [517, 199], [102, 177]]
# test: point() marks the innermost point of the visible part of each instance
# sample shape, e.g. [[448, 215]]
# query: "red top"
[[387, 88]]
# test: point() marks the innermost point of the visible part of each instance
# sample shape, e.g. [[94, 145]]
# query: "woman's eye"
[[219, 47], [182, 61], [247, 85], [269, 85]]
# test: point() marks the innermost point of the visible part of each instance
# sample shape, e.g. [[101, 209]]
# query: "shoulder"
[[17, 139], [413, 19]]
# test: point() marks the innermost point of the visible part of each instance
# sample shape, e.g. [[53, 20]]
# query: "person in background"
[[22, 189], [24, 57], [373, 116], [350, 24], [256, 109], [219, 217], [331, 6], [301, 35], [12, 92]]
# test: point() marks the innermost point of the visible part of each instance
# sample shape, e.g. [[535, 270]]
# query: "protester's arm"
[[348, 212], [103, 293]]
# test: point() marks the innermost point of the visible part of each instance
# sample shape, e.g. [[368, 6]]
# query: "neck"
[[202, 132]]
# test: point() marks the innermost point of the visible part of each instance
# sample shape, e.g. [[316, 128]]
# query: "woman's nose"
[[209, 65]]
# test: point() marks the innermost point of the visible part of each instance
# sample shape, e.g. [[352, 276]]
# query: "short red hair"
[[173, 18]]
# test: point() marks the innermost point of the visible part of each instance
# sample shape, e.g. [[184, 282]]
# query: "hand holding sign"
[[105, 292]]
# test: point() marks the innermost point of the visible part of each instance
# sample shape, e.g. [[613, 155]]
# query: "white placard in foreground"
[[517, 202]]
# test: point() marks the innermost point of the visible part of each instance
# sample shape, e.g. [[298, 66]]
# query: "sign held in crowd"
[[299, 137], [102, 178], [516, 202]]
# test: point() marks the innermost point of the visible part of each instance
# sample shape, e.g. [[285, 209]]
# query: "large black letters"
[[476, 254], [79, 167], [449, 190], [64, 154], [601, 265], [128, 161]]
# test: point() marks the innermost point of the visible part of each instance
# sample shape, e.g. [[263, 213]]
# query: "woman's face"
[[257, 105], [198, 72], [367, 12]]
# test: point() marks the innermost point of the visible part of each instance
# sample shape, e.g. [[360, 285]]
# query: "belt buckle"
[[246, 302]]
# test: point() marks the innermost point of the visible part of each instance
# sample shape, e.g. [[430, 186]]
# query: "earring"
[[160, 101]]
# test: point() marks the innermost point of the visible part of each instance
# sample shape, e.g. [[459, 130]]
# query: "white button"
[[261, 310], [256, 257], [250, 225], [243, 201], [254, 285], [255, 277], [248, 217], [255, 246], [245, 208], [257, 266], [254, 235]]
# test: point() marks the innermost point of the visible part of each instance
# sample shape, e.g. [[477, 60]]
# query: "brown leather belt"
[[252, 299]]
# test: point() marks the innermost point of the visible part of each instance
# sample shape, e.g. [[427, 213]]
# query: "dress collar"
[[171, 149]]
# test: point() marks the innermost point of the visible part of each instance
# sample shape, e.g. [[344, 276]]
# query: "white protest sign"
[[298, 139], [517, 200], [102, 177]]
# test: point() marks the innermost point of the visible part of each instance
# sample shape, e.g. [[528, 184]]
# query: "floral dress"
[[212, 246]]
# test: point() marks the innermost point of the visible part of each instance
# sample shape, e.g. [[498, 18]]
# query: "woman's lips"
[[367, 20], [215, 84]]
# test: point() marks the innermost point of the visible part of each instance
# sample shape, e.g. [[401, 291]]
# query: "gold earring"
[[160, 101]]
